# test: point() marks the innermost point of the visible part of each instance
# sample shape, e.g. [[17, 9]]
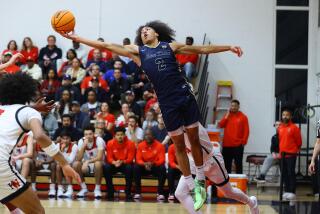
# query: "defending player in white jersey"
[[89, 160], [16, 119], [215, 171]]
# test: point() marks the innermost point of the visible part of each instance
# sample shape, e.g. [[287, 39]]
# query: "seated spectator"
[[69, 151], [49, 55], [67, 85], [71, 54], [160, 132], [273, 158], [122, 119], [63, 106], [133, 131], [11, 68], [102, 95], [43, 161], [174, 172], [50, 86], [95, 72], [105, 54], [81, 51], [150, 121], [96, 60], [150, 159], [188, 61], [33, 69], [22, 155], [106, 116], [125, 41], [81, 119], [101, 131], [151, 98], [67, 125], [139, 81], [50, 123], [120, 154], [12, 47], [109, 77], [76, 72], [117, 88], [92, 106], [89, 160], [29, 50], [133, 105], [156, 108]]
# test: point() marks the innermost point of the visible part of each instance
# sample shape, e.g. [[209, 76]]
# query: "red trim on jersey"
[[23, 142], [94, 144], [69, 150]]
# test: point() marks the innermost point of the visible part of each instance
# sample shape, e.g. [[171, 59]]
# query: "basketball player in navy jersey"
[[154, 52]]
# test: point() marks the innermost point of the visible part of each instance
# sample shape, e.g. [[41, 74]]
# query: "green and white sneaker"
[[199, 194]]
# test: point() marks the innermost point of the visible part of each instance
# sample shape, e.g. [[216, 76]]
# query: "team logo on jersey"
[[14, 184], [164, 46]]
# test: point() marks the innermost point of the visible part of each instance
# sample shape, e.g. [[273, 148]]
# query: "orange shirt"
[[236, 129], [11, 69], [154, 153], [172, 157], [120, 151], [86, 83], [184, 58], [289, 138]]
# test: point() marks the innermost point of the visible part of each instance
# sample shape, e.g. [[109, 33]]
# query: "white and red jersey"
[[21, 147], [14, 122], [91, 150], [69, 152], [41, 155]]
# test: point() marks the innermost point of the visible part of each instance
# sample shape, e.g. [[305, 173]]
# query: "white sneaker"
[[285, 196], [160, 197], [171, 197], [137, 196], [52, 193], [97, 193], [68, 193], [82, 193], [291, 196], [254, 209], [60, 193]]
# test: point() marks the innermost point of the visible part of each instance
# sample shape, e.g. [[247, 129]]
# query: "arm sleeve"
[[26, 114], [171, 157], [109, 153], [223, 122], [139, 159], [161, 155], [245, 131], [298, 138], [131, 153]]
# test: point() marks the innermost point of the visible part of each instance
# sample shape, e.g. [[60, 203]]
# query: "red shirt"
[[6, 50], [236, 129], [47, 88], [289, 138], [154, 153], [149, 103], [12, 69], [172, 157], [86, 83], [120, 151], [33, 53], [184, 58], [105, 55]]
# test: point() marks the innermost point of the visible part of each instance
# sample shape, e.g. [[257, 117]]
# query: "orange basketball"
[[63, 21]]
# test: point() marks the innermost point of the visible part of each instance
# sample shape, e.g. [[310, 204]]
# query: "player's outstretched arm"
[[316, 152], [204, 49], [11, 61]]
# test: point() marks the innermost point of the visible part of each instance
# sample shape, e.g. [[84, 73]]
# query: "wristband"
[[51, 150]]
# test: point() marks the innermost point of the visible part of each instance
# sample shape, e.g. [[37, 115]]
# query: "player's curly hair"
[[18, 88], [166, 33]]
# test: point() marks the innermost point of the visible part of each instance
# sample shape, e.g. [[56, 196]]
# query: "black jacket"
[[274, 144]]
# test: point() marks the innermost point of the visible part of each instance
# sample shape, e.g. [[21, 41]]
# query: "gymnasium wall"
[[248, 23]]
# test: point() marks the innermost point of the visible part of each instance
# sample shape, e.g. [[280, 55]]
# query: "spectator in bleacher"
[[50, 123], [117, 88], [106, 55], [67, 85], [133, 131], [22, 155], [50, 86], [150, 159], [160, 132], [133, 105], [33, 69], [81, 51], [102, 95], [69, 151], [273, 158], [139, 81], [150, 120], [108, 118], [109, 75], [12, 47], [174, 172], [236, 134], [76, 72], [71, 54], [290, 142], [92, 106], [125, 41], [122, 119], [29, 50], [120, 155], [101, 131], [96, 60], [11, 68], [156, 108], [67, 124], [63, 106], [151, 98], [49, 55], [95, 72], [81, 119], [89, 160], [188, 61]]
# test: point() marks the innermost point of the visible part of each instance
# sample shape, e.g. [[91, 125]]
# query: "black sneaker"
[[260, 178]]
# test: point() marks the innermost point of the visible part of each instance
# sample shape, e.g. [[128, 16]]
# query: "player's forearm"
[[91, 43], [316, 150], [208, 49]]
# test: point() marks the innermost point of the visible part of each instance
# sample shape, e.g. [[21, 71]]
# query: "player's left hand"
[[70, 35], [43, 106], [70, 174], [237, 50]]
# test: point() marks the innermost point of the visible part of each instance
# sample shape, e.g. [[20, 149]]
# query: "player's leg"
[[137, 172], [108, 170], [98, 177], [268, 162], [182, 193], [13, 209], [82, 168], [26, 165], [238, 159], [59, 176], [127, 169], [228, 157], [52, 186], [33, 174], [160, 172]]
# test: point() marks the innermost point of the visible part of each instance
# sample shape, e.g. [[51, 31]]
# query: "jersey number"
[[160, 63]]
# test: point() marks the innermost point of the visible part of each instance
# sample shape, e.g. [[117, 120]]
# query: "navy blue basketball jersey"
[[162, 69]]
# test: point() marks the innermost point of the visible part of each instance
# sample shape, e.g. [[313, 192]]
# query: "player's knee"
[[98, 165], [179, 195], [180, 147]]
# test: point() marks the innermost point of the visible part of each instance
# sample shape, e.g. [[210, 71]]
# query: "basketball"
[[63, 21]]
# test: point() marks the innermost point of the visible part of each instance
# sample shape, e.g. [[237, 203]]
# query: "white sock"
[[200, 173], [16, 211], [60, 187], [83, 185], [70, 188], [97, 187], [52, 186], [189, 181], [33, 185]]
